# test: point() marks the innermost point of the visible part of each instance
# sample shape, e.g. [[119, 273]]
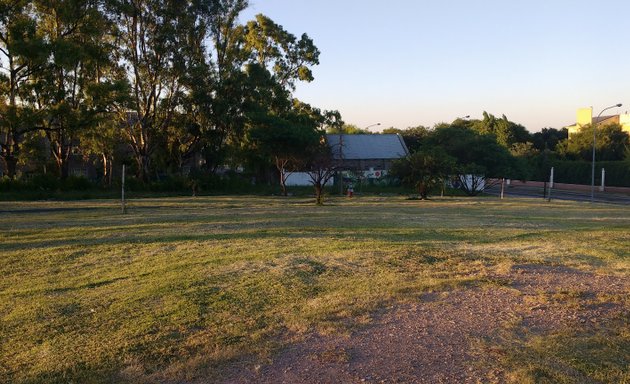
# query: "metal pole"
[[550, 183], [593, 162], [594, 124], [124, 209]]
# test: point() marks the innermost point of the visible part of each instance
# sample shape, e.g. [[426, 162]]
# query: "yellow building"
[[585, 117]]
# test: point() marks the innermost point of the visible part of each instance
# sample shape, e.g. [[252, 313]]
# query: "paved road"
[[557, 194]]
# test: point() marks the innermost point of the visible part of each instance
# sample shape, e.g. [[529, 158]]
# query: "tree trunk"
[[106, 177], [64, 168], [319, 196], [11, 162], [422, 191], [283, 183], [143, 167]]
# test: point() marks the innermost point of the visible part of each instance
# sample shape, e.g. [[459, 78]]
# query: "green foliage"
[[170, 80], [507, 133], [414, 137], [23, 53], [348, 129], [476, 153], [611, 144], [47, 183], [424, 169], [287, 140], [579, 172], [548, 138]]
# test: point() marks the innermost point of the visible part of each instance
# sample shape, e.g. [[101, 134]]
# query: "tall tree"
[[288, 58], [152, 41], [68, 92], [23, 54]]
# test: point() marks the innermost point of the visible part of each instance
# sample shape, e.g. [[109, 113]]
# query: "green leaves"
[[611, 143], [280, 52], [424, 169]]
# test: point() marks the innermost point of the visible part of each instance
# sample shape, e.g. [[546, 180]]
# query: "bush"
[[77, 183], [43, 182], [579, 172]]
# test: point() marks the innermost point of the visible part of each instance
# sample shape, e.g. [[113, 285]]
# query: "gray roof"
[[362, 147]]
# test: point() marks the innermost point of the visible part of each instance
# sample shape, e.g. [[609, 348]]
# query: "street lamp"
[[594, 138], [370, 126]]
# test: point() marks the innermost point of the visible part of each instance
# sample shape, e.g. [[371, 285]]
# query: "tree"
[[348, 129], [23, 54], [548, 138], [281, 52], [478, 157], [414, 137], [507, 133], [424, 169], [611, 144], [254, 68], [286, 140], [153, 39], [68, 91], [321, 167]]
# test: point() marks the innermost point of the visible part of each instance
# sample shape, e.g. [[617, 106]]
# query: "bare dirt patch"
[[451, 337]]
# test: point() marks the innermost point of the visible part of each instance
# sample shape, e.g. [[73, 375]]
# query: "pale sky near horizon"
[[405, 63]]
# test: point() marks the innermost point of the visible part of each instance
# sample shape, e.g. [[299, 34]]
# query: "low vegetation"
[[181, 288]]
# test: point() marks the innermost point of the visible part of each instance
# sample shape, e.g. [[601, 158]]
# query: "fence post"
[[122, 200], [601, 188], [550, 184]]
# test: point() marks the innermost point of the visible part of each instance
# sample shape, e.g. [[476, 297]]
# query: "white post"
[[601, 187], [502, 187], [550, 183], [124, 209]]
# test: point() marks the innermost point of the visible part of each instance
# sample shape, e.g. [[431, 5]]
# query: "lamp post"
[[371, 125], [594, 138]]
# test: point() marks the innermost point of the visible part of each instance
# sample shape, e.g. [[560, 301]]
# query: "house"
[[360, 157], [585, 117], [369, 154]]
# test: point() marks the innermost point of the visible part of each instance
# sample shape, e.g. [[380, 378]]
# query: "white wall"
[[300, 179]]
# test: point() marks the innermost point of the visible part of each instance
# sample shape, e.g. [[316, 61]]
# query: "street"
[[558, 194]]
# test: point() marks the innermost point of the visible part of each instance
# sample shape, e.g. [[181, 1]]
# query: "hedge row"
[[579, 172]]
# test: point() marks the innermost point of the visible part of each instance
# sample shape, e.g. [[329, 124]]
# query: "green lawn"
[[180, 287]]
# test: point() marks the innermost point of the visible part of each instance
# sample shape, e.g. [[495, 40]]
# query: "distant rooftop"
[[362, 147]]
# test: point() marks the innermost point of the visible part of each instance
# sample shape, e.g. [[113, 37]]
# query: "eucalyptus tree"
[[247, 79], [23, 52], [153, 37], [72, 92]]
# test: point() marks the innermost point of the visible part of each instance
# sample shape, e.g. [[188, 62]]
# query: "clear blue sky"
[[417, 62]]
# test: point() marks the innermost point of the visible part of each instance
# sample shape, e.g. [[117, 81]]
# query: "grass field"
[[179, 288]]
